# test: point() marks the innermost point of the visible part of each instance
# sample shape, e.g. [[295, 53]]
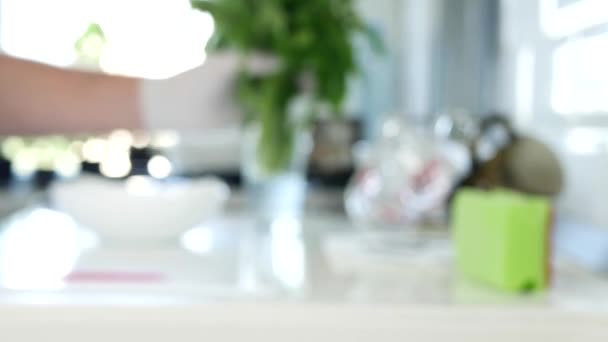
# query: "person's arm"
[[39, 99]]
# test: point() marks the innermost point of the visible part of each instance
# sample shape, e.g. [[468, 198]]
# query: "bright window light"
[[153, 39], [560, 21], [585, 141], [580, 77], [524, 85]]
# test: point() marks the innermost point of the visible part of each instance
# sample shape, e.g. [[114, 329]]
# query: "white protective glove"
[[199, 99]]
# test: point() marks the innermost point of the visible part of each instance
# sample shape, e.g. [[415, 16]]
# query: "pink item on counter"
[[116, 277]]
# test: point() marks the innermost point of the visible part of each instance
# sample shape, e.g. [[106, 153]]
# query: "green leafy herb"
[[310, 37], [91, 44]]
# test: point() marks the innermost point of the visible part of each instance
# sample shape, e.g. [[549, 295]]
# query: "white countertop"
[[46, 258], [49, 265]]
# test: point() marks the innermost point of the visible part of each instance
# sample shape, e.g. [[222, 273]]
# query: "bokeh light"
[[159, 167]]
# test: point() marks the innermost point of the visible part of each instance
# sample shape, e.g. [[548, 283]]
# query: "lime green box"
[[502, 238]]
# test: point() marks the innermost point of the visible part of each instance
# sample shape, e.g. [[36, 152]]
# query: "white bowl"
[[140, 209]]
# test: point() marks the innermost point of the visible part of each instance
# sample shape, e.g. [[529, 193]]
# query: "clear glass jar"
[[401, 183]]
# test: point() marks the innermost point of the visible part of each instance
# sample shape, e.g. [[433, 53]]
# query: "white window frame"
[[531, 35]]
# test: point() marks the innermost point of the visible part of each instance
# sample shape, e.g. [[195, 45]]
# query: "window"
[[563, 70], [147, 38], [579, 32], [562, 18], [580, 76]]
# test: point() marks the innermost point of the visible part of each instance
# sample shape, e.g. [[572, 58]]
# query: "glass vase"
[[276, 200], [281, 193]]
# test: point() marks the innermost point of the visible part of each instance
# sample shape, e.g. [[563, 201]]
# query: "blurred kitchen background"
[[538, 62], [484, 93]]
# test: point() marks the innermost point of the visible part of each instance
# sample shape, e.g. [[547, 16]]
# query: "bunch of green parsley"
[[309, 37]]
